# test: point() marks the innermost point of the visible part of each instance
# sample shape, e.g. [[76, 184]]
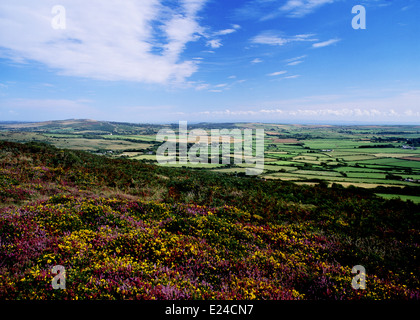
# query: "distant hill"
[[14, 122], [81, 126], [71, 124]]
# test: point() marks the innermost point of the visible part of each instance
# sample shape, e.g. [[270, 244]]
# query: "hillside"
[[129, 230], [382, 158]]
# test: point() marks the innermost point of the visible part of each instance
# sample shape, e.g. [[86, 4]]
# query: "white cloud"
[[412, 113], [106, 40], [220, 87], [224, 32], [295, 58], [325, 43], [202, 86], [292, 77], [322, 114], [264, 10], [302, 37], [276, 73], [211, 88], [256, 60], [179, 31], [401, 107], [271, 38], [294, 63], [214, 44], [300, 8]]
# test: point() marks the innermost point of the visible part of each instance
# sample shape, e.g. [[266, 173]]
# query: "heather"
[[128, 230]]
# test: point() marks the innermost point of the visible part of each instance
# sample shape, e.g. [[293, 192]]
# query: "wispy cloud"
[[146, 47], [264, 10], [214, 44], [294, 63], [220, 87], [3, 88], [270, 38], [256, 60], [296, 58], [214, 38], [376, 3], [277, 73], [292, 77], [235, 27], [300, 8], [325, 43], [201, 86], [225, 32]]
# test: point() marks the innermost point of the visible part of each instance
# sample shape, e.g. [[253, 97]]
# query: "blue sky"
[[159, 61]]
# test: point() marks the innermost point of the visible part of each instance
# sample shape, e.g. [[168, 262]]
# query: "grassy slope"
[[126, 230]]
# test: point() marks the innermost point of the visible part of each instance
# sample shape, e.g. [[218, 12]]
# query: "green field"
[[392, 162], [359, 155], [415, 199]]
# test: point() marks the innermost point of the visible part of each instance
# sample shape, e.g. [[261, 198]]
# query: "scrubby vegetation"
[[129, 230]]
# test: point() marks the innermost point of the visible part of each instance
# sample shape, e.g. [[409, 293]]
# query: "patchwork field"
[[370, 156]]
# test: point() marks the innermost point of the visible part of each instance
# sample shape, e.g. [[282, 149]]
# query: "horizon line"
[[310, 123]]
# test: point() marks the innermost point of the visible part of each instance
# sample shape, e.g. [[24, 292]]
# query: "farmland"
[[362, 156]]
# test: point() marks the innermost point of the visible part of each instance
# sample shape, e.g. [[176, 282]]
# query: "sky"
[[164, 61]]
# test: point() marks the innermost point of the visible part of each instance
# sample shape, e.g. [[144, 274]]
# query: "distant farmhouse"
[[408, 147]]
